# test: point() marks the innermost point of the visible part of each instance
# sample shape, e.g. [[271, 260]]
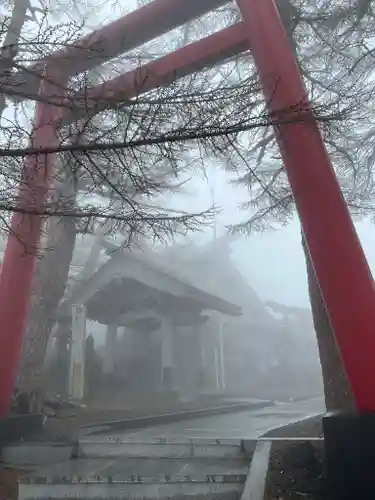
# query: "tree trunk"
[[337, 392], [48, 288]]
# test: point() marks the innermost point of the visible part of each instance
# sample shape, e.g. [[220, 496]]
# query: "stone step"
[[137, 479], [165, 448], [116, 468], [36, 453], [48, 453], [126, 491]]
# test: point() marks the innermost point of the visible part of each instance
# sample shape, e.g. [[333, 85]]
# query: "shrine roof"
[[132, 280]]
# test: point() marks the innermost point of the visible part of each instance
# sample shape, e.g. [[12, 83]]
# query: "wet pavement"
[[242, 425], [206, 457]]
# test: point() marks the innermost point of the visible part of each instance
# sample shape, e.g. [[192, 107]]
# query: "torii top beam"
[[185, 61], [130, 31]]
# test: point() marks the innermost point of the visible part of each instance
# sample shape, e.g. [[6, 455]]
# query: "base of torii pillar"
[[349, 442]]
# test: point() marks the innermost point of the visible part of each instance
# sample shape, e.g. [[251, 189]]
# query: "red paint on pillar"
[[18, 265], [340, 264]]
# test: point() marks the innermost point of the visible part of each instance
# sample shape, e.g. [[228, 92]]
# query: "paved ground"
[[121, 468], [106, 474], [246, 424], [69, 421]]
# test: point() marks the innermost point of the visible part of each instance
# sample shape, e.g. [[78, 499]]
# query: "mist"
[[209, 312]]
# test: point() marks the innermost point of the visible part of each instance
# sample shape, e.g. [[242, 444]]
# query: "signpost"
[[77, 353]]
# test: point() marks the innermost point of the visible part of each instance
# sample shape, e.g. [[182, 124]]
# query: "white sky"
[[273, 262]]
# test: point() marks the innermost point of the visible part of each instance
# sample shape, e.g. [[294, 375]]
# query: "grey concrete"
[[247, 424], [256, 480], [177, 491], [157, 469], [217, 467], [137, 478], [162, 448], [168, 418], [128, 469], [25, 454]]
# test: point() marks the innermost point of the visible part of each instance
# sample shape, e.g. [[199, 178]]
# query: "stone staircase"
[[116, 468]]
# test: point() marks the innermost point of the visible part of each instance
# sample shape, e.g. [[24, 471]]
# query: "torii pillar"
[[339, 261]]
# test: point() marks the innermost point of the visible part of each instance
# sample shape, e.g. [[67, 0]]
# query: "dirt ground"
[[297, 469], [8, 483], [296, 472]]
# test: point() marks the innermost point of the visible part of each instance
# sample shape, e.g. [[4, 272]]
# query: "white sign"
[[77, 353]]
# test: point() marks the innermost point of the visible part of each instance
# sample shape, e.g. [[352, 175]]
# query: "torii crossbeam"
[[339, 262]]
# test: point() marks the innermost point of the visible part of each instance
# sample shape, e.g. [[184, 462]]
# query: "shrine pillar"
[[110, 349], [167, 355], [218, 347]]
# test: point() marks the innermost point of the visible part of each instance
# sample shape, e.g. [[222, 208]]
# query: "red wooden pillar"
[[340, 264], [19, 259]]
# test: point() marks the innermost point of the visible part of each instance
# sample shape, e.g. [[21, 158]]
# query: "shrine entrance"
[[340, 265]]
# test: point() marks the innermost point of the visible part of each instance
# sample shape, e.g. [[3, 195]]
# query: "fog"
[[266, 352], [263, 351], [272, 262]]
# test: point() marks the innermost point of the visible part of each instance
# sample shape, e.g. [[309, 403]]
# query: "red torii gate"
[[339, 261]]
